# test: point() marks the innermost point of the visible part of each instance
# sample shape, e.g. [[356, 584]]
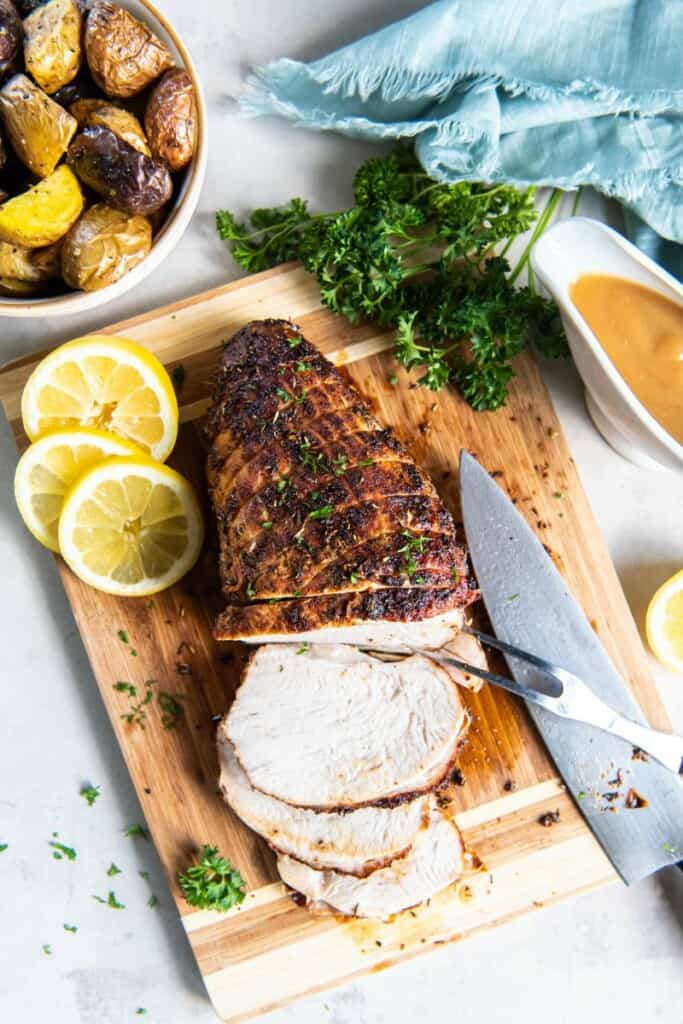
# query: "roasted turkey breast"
[[332, 727], [356, 842], [320, 509], [435, 861]]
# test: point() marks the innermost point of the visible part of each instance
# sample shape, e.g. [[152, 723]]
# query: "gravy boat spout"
[[584, 246]]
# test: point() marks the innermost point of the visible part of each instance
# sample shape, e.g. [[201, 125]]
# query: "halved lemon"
[[51, 466], [664, 623], [131, 526], [104, 382]]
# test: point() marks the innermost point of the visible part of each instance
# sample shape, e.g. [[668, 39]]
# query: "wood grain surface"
[[270, 951]]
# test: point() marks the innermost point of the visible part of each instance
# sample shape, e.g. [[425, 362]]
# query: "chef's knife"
[[529, 605]]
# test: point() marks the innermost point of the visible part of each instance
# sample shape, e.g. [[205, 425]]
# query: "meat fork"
[[560, 691]]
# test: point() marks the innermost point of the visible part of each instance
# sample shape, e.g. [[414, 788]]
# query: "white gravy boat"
[[584, 246]]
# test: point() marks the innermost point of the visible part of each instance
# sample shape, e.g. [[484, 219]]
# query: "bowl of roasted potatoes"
[[102, 150]]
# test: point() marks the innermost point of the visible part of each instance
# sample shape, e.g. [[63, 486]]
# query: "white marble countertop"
[[612, 956]]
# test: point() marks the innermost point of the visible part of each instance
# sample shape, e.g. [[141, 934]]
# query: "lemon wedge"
[[51, 466], [131, 526], [664, 623], [104, 382]]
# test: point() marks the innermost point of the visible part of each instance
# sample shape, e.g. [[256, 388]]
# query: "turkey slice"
[[356, 842], [331, 727], [435, 860]]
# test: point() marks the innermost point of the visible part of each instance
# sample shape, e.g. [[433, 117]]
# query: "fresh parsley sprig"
[[213, 883], [424, 258]]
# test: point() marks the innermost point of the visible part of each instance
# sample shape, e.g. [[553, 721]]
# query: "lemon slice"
[[104, 382], [51, 466], [131, 526], [664, 623]]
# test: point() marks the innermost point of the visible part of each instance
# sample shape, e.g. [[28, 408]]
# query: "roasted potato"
[[34, 265], [102, 246], [26, 6], [124, 124], [171, 119], [37, 127], [123, 54], [11, 288], [52, 44], [80, 88], [10, 34], [127, 179], [45, 213]]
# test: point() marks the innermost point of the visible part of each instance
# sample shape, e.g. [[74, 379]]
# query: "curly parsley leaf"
[[419, 256], [60, 851], [90, 794], [212, 883]]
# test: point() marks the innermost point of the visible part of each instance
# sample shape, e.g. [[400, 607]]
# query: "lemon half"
[[51, 466], [664, 623], [104, 382], [131, 526]]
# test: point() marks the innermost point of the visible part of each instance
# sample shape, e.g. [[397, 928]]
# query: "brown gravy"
[[642, 333]]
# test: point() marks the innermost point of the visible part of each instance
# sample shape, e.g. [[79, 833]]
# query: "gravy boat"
[[584, 246]]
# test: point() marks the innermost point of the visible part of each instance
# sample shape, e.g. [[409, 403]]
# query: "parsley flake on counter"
[[425, 258], [140, 1012], [212, 883], [70, 928], [123, 687], [670, 848], [123, 636], [90, 794], [3, 847], [304, 647], [513, 597], [113, 870], [144, 875], [153, 901], [59, 851], [137, 830], [47, 949], [111, 901]]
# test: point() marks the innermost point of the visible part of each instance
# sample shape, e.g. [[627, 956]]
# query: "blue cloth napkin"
[[546, 92]]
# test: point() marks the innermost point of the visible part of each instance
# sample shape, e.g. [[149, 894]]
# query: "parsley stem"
[[541, 225], [577, 201]]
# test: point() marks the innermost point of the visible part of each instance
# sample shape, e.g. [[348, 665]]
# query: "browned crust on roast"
[[303, 615], [291, 437]]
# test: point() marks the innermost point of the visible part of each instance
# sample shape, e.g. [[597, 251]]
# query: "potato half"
[[37, 127], [102, 246], [123, 54], [45, 213], [52, 44]]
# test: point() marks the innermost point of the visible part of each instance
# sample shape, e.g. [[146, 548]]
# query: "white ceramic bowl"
[[178, 217], [583, 246]]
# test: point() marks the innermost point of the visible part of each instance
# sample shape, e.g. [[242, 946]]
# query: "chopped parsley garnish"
[[304, 647], [581, 795], [113, 870], [123, 687], [365, 462], [267, 524], [249, 590], [123, 636], [284, 395], [295, 341], [413, 545], [47, 949], [153, 901], [3, 847], [513, 597], [282, 484], [393, 380], [59, 851], [302, 367], [90, 794], [311, 458], [455, 575], [140, 1012], [171, 711], [178, 377], [212, 883], [353, 578], [137, 830], [340, 464], [144, 875], [70, 928], [111, 901], [137, 714], [321, 513], [558, 494], [419, 580]]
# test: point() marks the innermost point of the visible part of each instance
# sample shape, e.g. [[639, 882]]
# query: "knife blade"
[[529, 605]]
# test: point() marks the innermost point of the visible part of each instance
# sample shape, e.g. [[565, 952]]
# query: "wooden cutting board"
[[271, 951]]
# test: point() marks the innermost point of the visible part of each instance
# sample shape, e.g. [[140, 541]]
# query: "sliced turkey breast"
[[331, 727], [435, 861], [355, 842]]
